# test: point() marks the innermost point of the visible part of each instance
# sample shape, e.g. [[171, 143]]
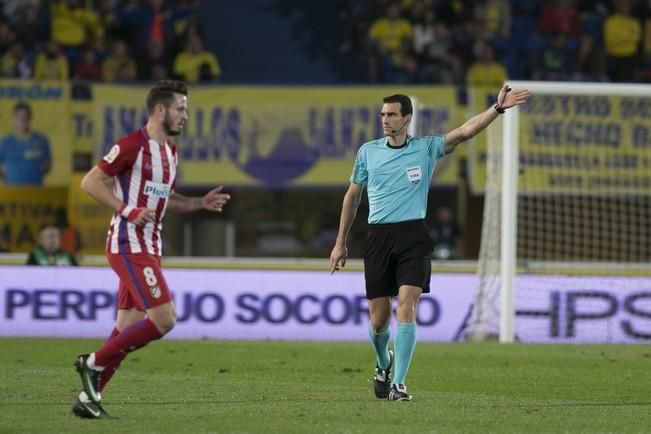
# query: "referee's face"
[[176, 115], [393, 123]]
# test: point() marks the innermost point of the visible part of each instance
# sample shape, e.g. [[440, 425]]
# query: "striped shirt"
[[144, 174]]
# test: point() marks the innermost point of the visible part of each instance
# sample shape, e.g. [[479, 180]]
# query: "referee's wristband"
[[498, 108]]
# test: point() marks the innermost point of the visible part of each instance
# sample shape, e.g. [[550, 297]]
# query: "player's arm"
[[95, 183], [214, 201], [507, 98], [348, 212]]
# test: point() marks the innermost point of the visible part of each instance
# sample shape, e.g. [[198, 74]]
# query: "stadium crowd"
[[481, 42], [103, 40], [484, 42]]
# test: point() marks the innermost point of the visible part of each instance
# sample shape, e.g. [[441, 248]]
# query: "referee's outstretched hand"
[[338, 258], [508, 97]]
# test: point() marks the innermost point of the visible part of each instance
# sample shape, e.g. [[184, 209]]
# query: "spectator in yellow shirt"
[[51, 64], [486, 71], [495, 15], [389, 38], [622, 36], [73, 25], [196, 64], [15, 64], [391, 32], [118, 65]]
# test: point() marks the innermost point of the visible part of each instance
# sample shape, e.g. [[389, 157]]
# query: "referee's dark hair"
[[163, 93], [405, 103]]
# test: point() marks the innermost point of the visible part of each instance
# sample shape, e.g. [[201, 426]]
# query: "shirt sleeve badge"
[[112, 154]]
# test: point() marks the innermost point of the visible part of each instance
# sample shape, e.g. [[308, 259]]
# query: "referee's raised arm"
[[506, 99]]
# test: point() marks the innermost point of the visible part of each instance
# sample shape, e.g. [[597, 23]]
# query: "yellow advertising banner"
[[275, 136], [50, 104], [576, 144], [81, 125], [23, 210]]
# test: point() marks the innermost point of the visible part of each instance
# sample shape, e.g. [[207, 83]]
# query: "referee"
[[397, 171]]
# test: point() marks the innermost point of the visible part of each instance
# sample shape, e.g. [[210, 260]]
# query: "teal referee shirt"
[[397, 179]]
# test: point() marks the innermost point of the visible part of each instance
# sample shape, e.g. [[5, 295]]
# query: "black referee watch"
[[498, 108]]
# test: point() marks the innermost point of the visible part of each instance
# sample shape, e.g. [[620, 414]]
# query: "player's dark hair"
[[22, 105], [405, 103], [163, 93]]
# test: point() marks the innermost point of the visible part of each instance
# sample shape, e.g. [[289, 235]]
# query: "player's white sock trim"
[[83, 397], [91, 363]]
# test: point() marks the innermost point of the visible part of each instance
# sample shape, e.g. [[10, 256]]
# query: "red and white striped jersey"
[[144, 174]]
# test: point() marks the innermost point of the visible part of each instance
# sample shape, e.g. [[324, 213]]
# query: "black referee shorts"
[[397, 254]]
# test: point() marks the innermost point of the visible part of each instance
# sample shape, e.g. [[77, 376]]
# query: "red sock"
[[114, 333], [113, 366], [135, 336]]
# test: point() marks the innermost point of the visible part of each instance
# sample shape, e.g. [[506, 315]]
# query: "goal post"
[[567, 198], [508, 227]]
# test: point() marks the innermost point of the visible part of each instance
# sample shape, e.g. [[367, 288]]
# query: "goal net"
[[566, 237]]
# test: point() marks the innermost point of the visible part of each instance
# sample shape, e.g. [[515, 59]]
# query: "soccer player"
[[397, 171], [142, 165]]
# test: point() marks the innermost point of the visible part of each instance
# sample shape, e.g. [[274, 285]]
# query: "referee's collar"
[[398, 147]]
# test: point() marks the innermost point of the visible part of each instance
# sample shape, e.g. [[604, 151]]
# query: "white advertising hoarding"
[[314, 305]]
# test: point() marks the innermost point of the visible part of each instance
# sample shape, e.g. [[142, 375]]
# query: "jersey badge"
[[155, 291], [112, 154], [414, 174]]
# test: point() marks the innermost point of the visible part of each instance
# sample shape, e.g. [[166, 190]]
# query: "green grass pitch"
[[295, 387]]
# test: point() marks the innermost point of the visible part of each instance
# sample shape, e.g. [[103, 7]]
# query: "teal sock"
[[380, 341], [404, 346]]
